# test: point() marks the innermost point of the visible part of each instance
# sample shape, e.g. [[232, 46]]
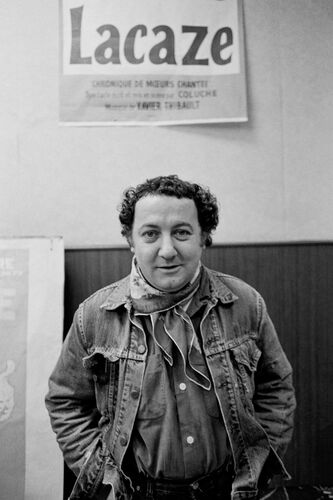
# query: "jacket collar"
[[219, 289], [119, 295], [120, 291]]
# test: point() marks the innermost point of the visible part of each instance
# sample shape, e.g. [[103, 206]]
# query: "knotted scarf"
[[171, 325]]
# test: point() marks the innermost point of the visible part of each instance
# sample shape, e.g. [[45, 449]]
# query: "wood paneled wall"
[[296, 281]]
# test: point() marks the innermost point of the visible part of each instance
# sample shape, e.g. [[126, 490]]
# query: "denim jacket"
[[95, 388]]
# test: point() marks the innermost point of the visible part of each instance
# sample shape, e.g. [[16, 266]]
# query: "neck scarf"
[[171, 325]]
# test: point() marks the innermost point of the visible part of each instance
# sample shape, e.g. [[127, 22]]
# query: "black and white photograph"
[[166, 250]]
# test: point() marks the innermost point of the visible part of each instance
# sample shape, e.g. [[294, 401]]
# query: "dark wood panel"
[[296, 281]]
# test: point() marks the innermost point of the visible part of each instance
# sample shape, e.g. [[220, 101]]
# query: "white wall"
[[273, 175]]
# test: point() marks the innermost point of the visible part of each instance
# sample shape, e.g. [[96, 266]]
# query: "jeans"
[[214, 486]]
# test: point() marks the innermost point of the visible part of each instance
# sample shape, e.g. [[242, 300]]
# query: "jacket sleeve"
[[74, 417], [274, 398]]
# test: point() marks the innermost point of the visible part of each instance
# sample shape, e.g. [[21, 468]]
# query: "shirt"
[[179, 432]]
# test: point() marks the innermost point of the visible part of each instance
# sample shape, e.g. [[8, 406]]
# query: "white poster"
[[145, 62], [31, 326]]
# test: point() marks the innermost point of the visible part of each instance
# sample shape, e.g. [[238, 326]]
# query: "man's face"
[[167, 240]]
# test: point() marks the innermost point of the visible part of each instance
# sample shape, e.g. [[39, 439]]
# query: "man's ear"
[[130, 243]]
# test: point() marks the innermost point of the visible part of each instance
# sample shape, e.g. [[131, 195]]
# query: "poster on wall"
[[140, 62], [31, 325]]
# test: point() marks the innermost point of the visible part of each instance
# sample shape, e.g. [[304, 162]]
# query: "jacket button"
[[141, 349], [123, 440], [135, 394]]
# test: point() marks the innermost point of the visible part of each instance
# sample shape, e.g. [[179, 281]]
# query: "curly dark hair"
[[171, 185]]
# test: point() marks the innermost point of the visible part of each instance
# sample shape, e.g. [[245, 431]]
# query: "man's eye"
[[150, 235], [182, 234]]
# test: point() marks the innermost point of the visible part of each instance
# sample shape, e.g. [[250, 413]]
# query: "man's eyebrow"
[[182, 224], [149, 225], [146, 225]]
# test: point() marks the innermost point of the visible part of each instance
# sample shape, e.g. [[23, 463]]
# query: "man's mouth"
[[169, 268]]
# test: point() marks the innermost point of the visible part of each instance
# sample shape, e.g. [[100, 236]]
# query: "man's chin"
[[170, 285]]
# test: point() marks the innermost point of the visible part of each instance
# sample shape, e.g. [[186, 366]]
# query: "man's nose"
[[167, 249]]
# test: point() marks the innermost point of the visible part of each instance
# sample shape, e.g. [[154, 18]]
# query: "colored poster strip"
[[31, 322], [14, 269]]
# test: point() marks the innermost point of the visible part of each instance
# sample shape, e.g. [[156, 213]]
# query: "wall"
[[273, 174]]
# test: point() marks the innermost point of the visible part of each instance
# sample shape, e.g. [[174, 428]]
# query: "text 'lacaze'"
[[111, 51]]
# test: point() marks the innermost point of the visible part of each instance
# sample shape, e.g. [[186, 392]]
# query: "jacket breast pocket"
[[245, 357], [105, 374]]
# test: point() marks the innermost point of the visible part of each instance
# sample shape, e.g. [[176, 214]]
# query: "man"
[[172, 382]]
